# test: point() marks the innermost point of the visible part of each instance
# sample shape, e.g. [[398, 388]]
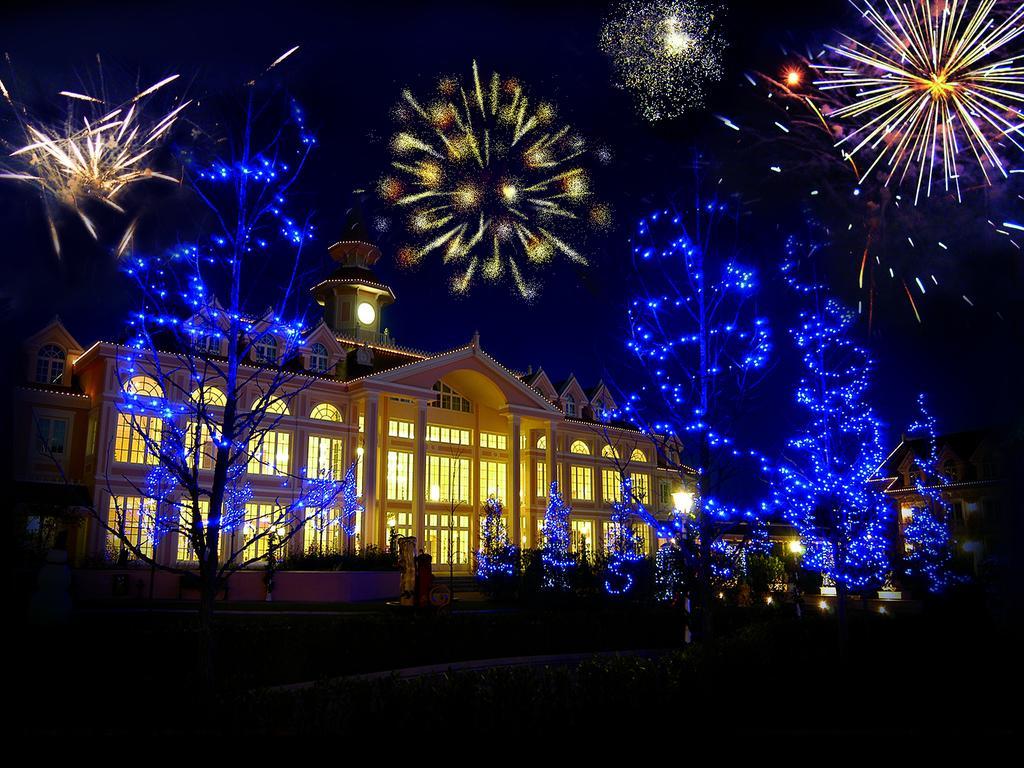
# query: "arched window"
[[318, 359], [325, 412], [542, 442], [277, 405], [266, 349], [50, 364], [570, 405], [210, 397], [609, 452], [578, 446], [449, 399], [143, 386], [138, 434], [638, 455]]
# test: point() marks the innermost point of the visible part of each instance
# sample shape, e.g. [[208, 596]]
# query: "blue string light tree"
[[496, 562], [700, 348], [928, 543], [622, 544], [822, 486], [207, 385], [556, 557]]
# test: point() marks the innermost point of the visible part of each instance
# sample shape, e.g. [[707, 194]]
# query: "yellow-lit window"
[[542, 480], [186, 553], [582, 537], [262, 530], [272, 455], [642, 488], [322, 533], [492, 440], [493, 479], [437, 433], [203, 452], [277, 406], [325, 458], [209, 397], [609, 452], [130, 522], [325, 412], [362, 423], [399, 476], [638, 455], [447, 479], [578, 446], [447, 538], [542, 442], [611, 487], [582, 484], [403, 429], [400, 524], [137, 438]]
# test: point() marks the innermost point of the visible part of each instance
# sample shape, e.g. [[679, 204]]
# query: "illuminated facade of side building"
[[434, 435]]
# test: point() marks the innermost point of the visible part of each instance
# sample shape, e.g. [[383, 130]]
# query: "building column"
[[552, 458], [419, 476], [370, 431], [515, 495]]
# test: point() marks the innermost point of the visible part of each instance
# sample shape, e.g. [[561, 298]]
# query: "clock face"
[[366, 313]]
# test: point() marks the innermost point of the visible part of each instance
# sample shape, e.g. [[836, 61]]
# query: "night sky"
[[348, 74]]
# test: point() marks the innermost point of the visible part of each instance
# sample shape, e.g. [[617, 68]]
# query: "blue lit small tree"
[[556, 556], [823, 486], [496, 561], [929, 547], [622, 544], [701, 348]]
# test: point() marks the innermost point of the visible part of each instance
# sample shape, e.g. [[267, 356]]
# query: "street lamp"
[[682, 501]]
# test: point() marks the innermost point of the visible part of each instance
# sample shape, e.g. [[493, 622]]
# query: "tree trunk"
[[207, 599], [841, 621]]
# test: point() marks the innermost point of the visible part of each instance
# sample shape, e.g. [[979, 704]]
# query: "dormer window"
[[570, 405], [266, 349], [318, 359], [50, 364]]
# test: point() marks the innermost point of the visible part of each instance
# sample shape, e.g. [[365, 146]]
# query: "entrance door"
[[447, 538]]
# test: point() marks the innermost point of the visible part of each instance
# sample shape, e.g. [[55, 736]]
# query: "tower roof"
[[355, 256]]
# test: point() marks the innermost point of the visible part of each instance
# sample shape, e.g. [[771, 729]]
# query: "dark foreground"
[[948, 670]]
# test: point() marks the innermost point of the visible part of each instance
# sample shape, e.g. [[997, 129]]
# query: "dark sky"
[[353, 63]]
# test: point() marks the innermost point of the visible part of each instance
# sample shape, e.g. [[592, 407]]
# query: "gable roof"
[[54, 331], [423, 373]]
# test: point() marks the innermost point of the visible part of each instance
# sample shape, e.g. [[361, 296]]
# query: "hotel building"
[[434, 435]]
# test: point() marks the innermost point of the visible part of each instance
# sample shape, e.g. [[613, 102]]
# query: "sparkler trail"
[[940, 87], [91, 159], [490, 180]]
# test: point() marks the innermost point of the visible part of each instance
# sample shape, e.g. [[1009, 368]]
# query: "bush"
[[370, 558]]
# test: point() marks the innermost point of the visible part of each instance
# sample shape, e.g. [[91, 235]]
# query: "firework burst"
[[90, 157], [938, 89], [665, 53], [488, 179]]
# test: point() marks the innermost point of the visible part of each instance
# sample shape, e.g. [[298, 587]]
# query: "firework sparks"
[[488, 179], [938, 90], [91, 160], [665, 53]]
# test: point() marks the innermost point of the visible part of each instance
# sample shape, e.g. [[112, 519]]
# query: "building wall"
[[366, 435]]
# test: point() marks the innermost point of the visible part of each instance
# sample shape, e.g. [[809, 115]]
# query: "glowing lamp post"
[[682, 501]]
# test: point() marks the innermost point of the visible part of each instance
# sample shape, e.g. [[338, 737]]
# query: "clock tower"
[[352, 296]]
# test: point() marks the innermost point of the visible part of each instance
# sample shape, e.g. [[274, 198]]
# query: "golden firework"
[[488, 179], [95, 158], [665, 53], [938, 89]]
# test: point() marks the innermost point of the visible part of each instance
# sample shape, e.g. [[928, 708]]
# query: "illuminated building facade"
[[434, 435]]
